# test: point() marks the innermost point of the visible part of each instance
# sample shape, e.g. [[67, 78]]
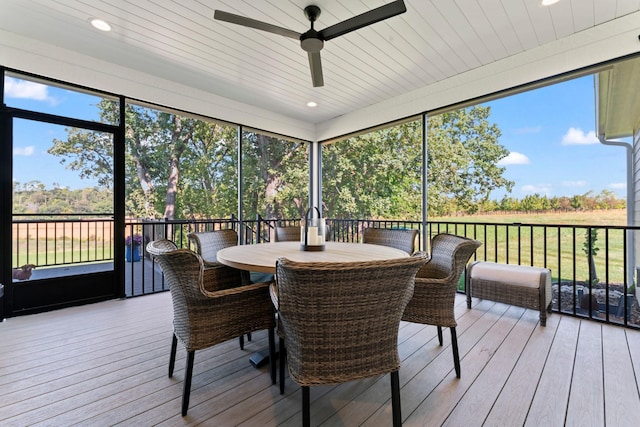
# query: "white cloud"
[[15, 88], [574, 184], [24, 151], [514, 158], [576, 136], [542, 189], [618, 185]]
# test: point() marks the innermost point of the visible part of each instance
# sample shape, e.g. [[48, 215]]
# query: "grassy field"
[[543, 242]]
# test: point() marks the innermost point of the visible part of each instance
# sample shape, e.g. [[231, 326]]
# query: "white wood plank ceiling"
[[180, 41]]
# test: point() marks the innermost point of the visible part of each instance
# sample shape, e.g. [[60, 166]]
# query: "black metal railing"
[[592, 266], [60, 239], [585, 261]]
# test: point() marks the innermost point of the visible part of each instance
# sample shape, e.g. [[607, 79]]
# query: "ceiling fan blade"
[[371, 17], [258, 25], [315, 64]]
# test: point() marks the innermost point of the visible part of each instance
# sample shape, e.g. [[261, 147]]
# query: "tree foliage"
[[540, 203], [166, 155], [183, 167], [463, 154], [34, 198], [379, 175], [179, 166], [275, 177], [376, 175]]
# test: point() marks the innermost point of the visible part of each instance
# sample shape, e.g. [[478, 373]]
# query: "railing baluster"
[[625, 282], [559, 269]]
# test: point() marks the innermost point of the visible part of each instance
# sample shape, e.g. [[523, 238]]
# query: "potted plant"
[[133, 244]]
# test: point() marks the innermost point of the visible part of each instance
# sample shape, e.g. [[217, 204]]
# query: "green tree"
[[463, 155], [577, 202], [535, 202], [379, 174], [176, 165], [275, 176], [591, 250], [184, 167], [508, 203], [375, 175], [180, 166]]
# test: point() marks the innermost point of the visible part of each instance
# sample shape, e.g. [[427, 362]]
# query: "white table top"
[[262, 257]]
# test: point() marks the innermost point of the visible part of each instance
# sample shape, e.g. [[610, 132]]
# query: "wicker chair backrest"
[[449, 256], [208, 243], [292, 234], [405, 240], [287, 234], [341, 320]]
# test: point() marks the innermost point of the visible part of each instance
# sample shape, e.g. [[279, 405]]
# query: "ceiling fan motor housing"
[[311, 41]]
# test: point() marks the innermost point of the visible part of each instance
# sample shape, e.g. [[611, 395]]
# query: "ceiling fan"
[[312, 41]]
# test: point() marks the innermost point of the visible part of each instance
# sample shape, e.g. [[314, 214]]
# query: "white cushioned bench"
[[521, 285]]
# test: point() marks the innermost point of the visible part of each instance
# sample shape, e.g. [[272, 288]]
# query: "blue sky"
[[549, 133]]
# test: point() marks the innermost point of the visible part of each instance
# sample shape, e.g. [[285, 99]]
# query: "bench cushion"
[[518, 275]]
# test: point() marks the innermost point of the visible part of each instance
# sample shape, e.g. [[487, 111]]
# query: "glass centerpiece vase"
[[312, 232]]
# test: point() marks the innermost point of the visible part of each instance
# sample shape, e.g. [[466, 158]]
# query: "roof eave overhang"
[[617, 101]]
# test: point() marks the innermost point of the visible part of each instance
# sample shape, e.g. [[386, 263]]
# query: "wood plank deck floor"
[[106, 364]]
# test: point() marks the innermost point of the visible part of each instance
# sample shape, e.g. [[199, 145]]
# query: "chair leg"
[[187, 382], [272, 355], [282, 357], [249, 336], [306, 412], [456, 355], [395, 399], [440, 334], [241, 339], [172, 356]]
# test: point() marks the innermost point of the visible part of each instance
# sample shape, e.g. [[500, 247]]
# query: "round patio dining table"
[[262, 257]]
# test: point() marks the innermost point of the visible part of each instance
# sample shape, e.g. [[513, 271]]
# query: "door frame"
[[47, 294]]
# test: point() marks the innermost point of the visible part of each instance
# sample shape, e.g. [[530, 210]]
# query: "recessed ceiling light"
[[311, 104], [549, 2], [100, 24]]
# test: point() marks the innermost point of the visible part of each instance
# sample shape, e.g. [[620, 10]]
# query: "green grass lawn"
[[60, 251]]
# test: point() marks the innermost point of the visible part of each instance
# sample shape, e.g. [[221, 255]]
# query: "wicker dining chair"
[[340, 321], [404, 240], [436, 284], [292, 233], [287, 234], [202, 318], [207, 244]]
